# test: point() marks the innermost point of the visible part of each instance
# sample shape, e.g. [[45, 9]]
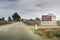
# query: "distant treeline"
[[14, 17]]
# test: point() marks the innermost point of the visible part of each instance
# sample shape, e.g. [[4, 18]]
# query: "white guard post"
[[36, 27]]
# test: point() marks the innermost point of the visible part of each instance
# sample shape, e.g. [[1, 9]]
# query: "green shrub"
[[57, 35]]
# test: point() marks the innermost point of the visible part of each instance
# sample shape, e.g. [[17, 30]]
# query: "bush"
[[57, 35]]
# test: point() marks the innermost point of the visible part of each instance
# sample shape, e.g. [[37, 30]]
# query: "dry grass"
[[49, 32], [4, 23]]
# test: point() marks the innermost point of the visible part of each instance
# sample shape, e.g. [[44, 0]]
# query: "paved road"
[[17, 31]]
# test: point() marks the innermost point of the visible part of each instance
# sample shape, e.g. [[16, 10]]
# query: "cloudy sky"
[[29, 8]]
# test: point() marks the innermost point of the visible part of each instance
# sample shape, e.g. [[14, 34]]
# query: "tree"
[[2, 18], [22, 19], [16, 17], [38, 19], [9, 18]]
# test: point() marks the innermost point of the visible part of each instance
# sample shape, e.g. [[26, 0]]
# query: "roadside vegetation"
[[32, 22], [58, 23], [49, 33]]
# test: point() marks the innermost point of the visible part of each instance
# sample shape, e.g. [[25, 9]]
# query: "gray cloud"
[[30, 8]]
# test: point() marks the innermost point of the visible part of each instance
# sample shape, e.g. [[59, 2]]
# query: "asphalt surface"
[[17, 31]]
